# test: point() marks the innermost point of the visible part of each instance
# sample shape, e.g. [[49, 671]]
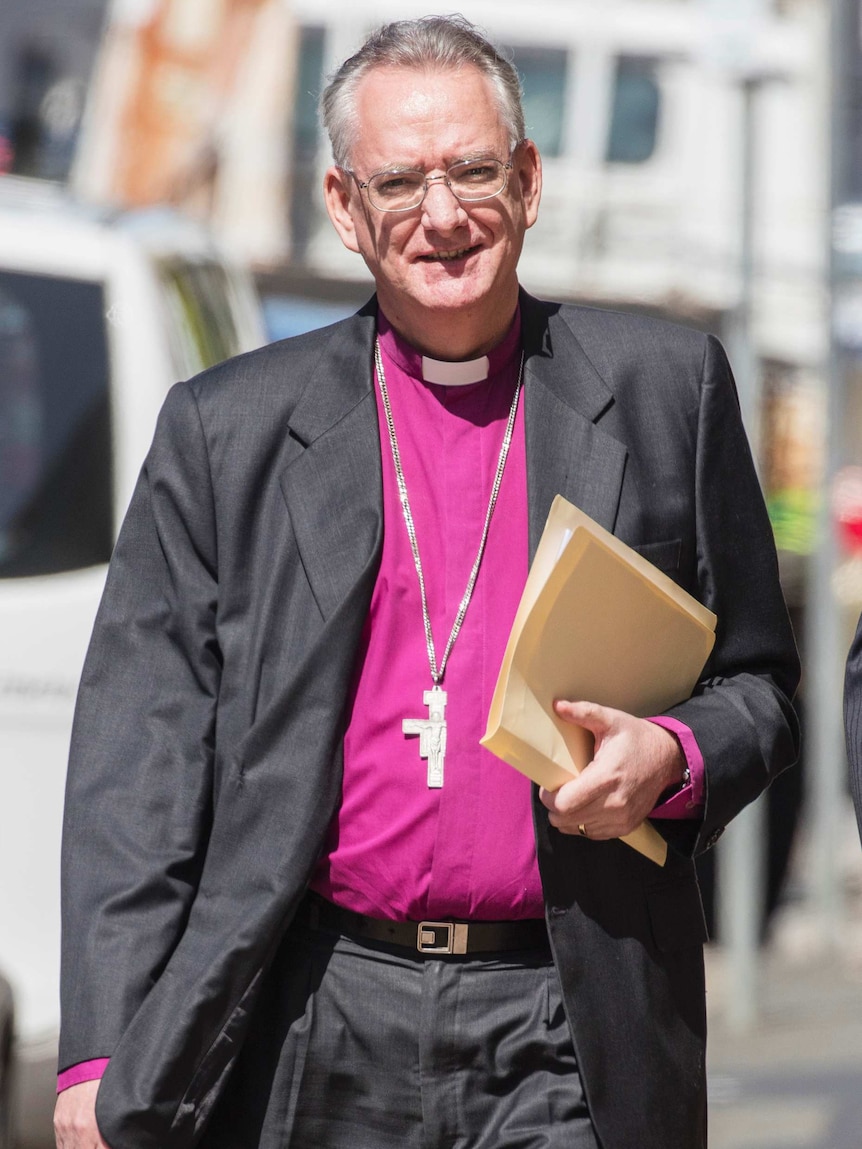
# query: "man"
[[293, 664]]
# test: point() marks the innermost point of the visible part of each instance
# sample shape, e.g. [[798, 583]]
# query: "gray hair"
[[430, 42]]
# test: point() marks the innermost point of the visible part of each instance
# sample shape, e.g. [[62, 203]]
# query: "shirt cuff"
[[688, 802], [83, 1071]]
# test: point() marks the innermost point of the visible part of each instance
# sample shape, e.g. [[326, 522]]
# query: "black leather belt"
[[431, 938]]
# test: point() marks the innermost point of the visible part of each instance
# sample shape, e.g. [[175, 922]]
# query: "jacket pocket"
[[664, 555]]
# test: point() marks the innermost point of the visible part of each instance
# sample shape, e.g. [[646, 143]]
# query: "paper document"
[[599, 623]]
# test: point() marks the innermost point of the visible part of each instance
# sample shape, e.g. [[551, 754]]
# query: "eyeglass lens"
[[470, 180]]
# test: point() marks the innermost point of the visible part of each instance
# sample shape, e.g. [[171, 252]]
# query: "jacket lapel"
[[333, 484], [565, 398]]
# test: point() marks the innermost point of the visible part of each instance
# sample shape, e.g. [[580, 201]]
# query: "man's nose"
[[441, 208]]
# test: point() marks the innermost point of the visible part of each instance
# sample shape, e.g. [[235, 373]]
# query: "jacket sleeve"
[[139, 787], [741, 713]]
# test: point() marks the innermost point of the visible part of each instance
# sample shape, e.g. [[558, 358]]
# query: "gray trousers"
[[362, 1046]]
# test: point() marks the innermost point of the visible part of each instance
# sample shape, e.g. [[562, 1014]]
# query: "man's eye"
[[475, 173], [397, 184]]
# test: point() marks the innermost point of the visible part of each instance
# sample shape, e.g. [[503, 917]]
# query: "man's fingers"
[[576, 796], [582, 803], [556, 801]]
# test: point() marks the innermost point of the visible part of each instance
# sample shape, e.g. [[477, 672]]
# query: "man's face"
[[444, 257]]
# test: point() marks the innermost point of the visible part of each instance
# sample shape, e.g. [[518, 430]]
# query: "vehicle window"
[[635, 114], [543, 73], [200, 316], [287, 315], [55, 437]]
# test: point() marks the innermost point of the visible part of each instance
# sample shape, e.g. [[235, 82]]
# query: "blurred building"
[[47, 52]]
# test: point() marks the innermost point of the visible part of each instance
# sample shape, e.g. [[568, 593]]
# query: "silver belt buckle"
[[428, 939]]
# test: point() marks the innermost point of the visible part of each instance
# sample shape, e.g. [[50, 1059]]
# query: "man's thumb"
[[590, 715]]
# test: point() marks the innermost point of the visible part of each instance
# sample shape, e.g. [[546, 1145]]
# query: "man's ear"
[[337, 188], [528, 166]]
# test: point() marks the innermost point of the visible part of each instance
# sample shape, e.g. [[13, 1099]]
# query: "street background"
[[792, 1079], [703, 162]]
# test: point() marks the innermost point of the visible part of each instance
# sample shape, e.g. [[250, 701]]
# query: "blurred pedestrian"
[[853, 720]]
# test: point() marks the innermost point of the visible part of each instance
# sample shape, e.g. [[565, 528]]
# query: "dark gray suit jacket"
[[206, 763]]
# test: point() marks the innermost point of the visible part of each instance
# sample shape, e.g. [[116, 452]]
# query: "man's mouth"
[[448, 256]]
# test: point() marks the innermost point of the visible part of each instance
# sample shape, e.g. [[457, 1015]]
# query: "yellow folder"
[[599, 623]]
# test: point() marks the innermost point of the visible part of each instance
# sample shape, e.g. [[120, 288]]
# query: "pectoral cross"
[[432, 734]]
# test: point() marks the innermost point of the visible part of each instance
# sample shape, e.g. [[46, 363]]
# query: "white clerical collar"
[[455, 374]]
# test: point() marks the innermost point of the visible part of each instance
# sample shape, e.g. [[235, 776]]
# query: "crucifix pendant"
[[432, 734]]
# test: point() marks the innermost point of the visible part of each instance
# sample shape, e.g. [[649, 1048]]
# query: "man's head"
[[422, 96], [435, 43]]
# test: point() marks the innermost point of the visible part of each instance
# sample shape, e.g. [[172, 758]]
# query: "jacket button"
[[713, 837]]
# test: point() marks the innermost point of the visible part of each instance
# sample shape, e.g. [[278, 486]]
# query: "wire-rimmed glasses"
[[470, 181]]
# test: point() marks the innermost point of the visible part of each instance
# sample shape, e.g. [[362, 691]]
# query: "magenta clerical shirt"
[[396, 848]]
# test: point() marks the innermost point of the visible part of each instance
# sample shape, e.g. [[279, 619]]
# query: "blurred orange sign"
[[188, 56]]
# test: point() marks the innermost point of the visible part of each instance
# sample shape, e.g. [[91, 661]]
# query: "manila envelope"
[[597, 622]]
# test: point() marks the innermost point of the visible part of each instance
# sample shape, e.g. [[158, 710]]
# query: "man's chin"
[[452, 293]]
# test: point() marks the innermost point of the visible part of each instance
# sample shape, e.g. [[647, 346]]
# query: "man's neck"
[[452, 337]]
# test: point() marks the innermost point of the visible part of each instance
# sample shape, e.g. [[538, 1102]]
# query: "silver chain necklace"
[[432, 730]]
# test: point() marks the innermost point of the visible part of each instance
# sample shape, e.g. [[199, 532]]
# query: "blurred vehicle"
[[288, 315], [296, 299], [99, 315]]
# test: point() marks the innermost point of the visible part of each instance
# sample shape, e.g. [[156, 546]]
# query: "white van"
[[99, 315]]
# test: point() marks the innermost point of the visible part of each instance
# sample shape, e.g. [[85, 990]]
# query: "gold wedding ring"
[[582, 830]]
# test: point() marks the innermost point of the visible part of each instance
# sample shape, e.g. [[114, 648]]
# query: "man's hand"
[[75, 1118], [634, 761]]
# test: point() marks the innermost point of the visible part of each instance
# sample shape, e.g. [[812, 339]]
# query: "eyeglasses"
[[468, 180]]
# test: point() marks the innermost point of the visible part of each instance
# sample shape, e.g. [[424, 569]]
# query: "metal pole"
[[741, 346], [742, 877], [741, 853], [825, 756]]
